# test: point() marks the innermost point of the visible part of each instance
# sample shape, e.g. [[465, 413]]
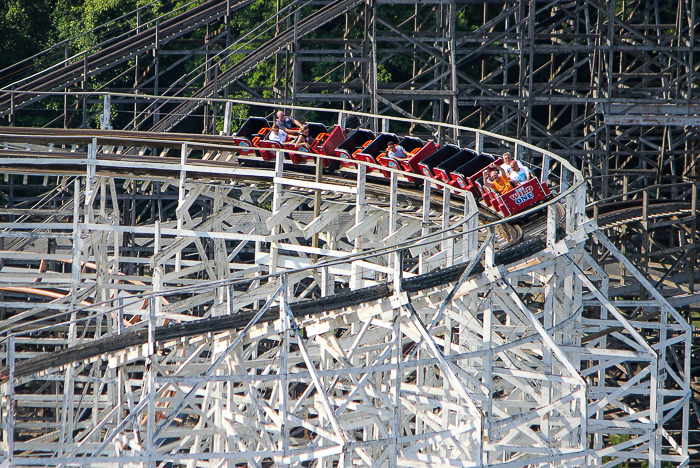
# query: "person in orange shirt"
[[496, 179]]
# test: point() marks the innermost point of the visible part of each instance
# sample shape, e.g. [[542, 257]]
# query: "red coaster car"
[[327, 143], [416, 149], [251, 132], [442, 171], [356, 142], [518, 199], [427, 165], [272, 145], [374, 150], [465, 176], [324, 143]]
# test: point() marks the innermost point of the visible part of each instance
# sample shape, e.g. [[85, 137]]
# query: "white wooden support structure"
[[216, 339], [356, 269], [227, 118], [448, 243], [7, 412], [106, 115], [181, 197], [479, 142]]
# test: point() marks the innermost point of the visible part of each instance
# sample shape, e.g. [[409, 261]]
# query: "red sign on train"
[[522, 194]]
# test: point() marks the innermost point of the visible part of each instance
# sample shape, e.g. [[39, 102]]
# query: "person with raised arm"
[[496, 179]]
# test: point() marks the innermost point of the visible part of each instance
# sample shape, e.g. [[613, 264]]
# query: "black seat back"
[[379, 144], [441, 155], [315, 129], [458, 160], [475, 165], [252, 126], [356, 140], [410, 143]]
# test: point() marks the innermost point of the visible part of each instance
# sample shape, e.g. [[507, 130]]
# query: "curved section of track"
[[491, 356], [512, 252]]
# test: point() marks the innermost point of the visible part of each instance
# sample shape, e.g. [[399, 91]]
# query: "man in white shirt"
[[507, 159], [519, 174], [395, 151], [277, 134]]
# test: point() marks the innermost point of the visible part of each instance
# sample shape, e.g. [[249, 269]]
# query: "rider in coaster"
[[304, 140], [518, 174], [277, 134], [497, 180], [507, 159], [396, 151], [288, 124]]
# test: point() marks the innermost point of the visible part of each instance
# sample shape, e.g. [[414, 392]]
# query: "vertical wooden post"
[[564, 176], [393, 214], [8, 402], [490, 250], [479, 143], [448, 243], [395, 377], [692, 255], [227, 118], [296, 63], [283, 443], [425, 230], [153, 312], [106, 115], [91, 171], [12, 106], [454, 82], [84, 87], [355, 268], [66, 431], [276, 205], [76, 266], [317, 197], [646, 243], [156, 76], [374, 68], [65, 96], [546, 159], [487, 362], [470, 238], [550, 288]]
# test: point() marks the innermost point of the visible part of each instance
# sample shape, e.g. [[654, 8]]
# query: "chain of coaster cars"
[[459, 167]]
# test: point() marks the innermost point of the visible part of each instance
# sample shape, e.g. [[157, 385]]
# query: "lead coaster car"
[[250, 134]]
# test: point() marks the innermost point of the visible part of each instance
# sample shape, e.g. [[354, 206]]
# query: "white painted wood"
[[525, 382]]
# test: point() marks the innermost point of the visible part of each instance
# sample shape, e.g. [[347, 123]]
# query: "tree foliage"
[[30, 26], [26, 27]]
